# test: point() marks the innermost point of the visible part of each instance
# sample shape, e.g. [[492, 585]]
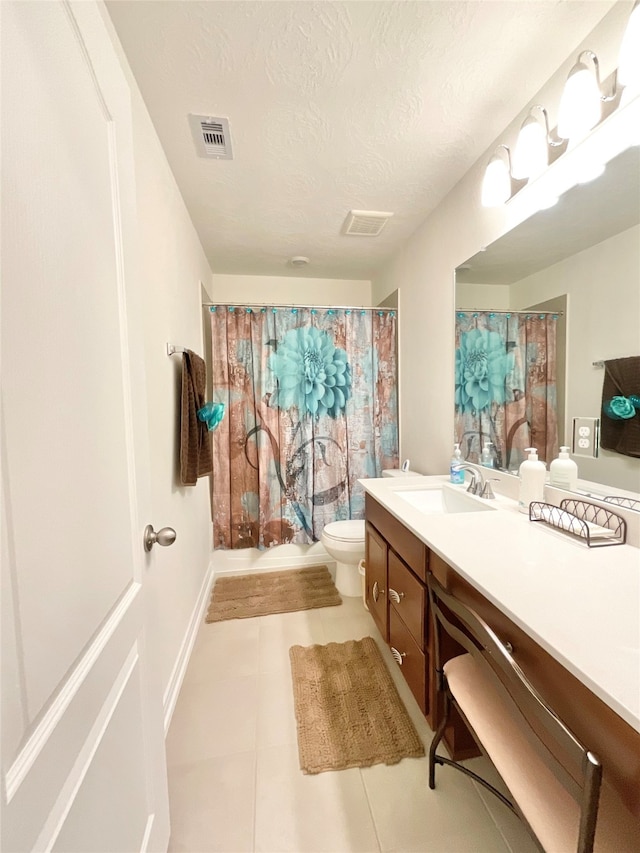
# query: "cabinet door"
[[407, 595], [376, 574]]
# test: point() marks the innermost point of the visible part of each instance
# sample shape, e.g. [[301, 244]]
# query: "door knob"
[[165, 536]]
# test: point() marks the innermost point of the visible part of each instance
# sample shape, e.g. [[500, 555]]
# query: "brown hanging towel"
[[621, 379], [195, 442]]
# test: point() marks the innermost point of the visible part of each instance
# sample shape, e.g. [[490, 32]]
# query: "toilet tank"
[[397, 472]]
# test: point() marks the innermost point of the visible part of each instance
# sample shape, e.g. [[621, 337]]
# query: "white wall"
[[424, 270], [603, 287], [296, 290], [483, 296], [173, 265]]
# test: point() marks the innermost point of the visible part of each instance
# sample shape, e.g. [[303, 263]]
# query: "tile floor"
[[234, 778]]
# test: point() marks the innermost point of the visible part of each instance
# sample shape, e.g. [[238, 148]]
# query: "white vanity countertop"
[[580, 604]]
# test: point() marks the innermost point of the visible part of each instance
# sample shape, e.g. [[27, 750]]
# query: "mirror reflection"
[[563, 291]]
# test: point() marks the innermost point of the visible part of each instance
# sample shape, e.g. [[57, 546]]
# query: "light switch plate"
[[586, 437]]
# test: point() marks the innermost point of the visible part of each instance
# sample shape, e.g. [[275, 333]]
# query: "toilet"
[[344, 542]]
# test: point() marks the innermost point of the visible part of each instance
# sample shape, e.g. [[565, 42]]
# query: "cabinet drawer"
[[412, 550], [413, 599], [413, 664]]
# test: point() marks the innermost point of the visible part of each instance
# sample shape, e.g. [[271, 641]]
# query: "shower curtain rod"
[[296, 305], [491, 311]]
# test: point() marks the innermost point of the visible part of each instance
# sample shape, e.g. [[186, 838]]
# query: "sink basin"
[[446, 499]]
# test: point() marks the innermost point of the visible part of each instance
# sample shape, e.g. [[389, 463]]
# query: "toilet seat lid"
[[345, 531]]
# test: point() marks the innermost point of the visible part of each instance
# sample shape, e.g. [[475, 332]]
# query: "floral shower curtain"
[[506, 385], [311, 407]]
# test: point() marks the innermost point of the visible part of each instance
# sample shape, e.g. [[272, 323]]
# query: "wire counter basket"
[[595, 525]]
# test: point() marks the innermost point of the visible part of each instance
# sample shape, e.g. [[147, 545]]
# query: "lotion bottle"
[[533, 474], [485, 457], [563, 471], [456, 474]]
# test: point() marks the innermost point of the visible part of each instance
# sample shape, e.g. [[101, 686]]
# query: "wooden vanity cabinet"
[[615, 742], [411, 550], [396, 563], [375, 555], [407, 621]]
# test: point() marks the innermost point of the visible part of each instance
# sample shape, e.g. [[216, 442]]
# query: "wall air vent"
[[365, 223], [212, 137]]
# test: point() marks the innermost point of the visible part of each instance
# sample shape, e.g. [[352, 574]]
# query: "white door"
[[83, 765]]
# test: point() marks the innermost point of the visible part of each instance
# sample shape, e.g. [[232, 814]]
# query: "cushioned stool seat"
[[552, 813]]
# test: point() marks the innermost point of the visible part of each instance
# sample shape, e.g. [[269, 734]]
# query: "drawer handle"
[[395, 596], [376, 591], [398, 655], [508, 647]]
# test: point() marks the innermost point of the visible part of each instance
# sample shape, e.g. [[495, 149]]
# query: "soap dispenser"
[[563, 471], [485, 457], [533, 474], [456, 474]]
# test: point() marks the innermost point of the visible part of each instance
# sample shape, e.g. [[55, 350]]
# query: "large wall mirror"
[[579, 260]]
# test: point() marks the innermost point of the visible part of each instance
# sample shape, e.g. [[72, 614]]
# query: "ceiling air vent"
[[365, 223], [212, 137]]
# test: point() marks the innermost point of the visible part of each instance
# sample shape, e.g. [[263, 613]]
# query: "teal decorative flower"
[[211, 414], [312, 373], [619, 408], [482, 365]]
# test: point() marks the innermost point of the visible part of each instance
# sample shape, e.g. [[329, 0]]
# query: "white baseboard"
[[180, 667], [250, 560]]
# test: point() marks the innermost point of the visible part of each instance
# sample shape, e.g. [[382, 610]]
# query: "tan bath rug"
[[348, 711], [272, 592]]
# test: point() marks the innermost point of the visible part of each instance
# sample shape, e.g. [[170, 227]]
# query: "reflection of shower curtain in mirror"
[[311, 407], [506, 385]]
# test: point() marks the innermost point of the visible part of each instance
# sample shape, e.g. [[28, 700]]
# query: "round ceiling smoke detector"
[[299, 261]]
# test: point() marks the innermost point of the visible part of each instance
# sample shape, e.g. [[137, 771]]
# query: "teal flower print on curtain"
[[505, 392], [482, 365], [312, 373], [311, 407]]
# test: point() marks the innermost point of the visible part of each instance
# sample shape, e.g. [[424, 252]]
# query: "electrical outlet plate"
[[586, 437]]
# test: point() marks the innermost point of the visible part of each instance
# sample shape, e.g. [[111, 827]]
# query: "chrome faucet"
[[475, 487], [481, 487]]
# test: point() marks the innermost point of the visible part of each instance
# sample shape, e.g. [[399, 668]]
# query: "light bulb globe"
[[580, 105], [496, 184], [531, 154]]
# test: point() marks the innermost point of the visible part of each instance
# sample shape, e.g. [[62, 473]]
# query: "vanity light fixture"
[[579, 111], [629, 62], [581, 103], [496, 184], [531, 154]]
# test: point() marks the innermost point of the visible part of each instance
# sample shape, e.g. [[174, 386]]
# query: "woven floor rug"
[[348, 711], [272, 592]]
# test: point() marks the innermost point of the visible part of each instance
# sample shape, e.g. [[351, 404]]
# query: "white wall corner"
[[186, 647]]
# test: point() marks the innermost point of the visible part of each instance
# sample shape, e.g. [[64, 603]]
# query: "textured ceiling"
[[334, 106]]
